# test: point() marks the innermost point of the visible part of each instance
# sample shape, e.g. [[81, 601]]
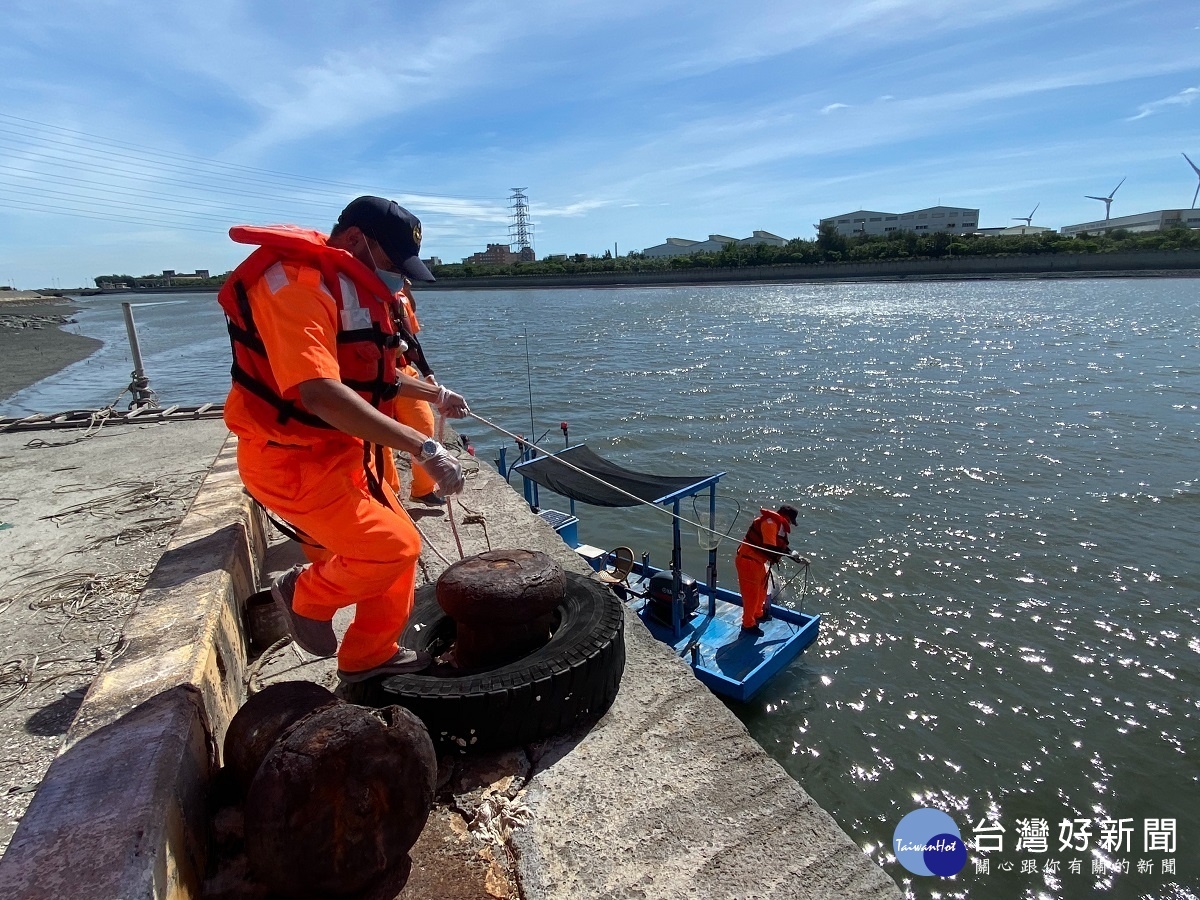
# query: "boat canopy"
[[550, 473]]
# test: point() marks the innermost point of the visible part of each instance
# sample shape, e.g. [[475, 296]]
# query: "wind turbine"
[[1028, 220], [1197, 171], [1107, 201]]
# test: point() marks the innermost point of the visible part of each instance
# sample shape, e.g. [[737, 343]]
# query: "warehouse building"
[[1147, 221], [950, 219], [715, 244]]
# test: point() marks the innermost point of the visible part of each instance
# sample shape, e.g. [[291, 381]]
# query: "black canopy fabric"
[[550, 473]]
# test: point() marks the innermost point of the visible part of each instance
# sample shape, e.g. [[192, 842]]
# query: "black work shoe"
[[765, 617], [405, 662], [430, 499], [753, 630], [312, 635]]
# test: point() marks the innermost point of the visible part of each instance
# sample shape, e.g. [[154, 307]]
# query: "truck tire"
[[572, 679]]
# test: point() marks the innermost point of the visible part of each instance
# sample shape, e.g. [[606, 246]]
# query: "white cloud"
[[579, 208], [833, 107], [1186, 97]]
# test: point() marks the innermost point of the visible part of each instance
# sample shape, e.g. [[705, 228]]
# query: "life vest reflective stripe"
[[367, 339], [754, 535]]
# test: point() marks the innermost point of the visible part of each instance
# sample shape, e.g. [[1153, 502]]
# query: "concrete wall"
[[122, 811]]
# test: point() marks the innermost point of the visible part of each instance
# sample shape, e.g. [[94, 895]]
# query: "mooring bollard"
[[502, 603], [339, 801]]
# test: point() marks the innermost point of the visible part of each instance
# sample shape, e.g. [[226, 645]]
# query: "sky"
[[133, 133]]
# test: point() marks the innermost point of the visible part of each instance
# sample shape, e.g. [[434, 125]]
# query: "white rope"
[[441, 430], [520, 440]]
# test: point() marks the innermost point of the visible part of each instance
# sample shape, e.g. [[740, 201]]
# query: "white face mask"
[[393, 280]]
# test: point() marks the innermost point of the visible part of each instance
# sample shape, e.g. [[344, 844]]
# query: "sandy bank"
[[33, 344]]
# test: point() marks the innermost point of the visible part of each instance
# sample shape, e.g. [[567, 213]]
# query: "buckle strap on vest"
[[286, 408]]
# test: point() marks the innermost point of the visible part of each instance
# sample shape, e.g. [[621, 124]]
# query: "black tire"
[[573, 678]]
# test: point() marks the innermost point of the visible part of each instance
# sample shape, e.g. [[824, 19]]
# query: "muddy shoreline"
[[34, 344]]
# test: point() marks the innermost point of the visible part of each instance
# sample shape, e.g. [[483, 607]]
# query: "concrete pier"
[[667, 796]]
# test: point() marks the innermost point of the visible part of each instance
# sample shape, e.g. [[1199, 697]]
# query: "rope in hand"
[[441, 430]]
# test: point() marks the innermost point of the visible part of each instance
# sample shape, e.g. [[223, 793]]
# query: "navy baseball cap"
[[394, 228]]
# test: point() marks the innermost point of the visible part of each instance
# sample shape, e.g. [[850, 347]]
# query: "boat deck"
[[730, 663]]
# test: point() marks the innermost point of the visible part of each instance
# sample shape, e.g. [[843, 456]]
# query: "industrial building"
[[951, 219], [500, 255], [715, 244], [1156, 220]]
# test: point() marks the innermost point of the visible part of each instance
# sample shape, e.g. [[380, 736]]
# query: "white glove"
[[443, 468], [450, 404], [795, 555]]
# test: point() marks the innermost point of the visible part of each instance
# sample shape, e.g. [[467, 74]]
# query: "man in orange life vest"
[[766, 542], [314, 381], [413, 411]]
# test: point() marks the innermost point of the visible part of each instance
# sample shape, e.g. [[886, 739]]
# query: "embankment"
[[1057, 265]]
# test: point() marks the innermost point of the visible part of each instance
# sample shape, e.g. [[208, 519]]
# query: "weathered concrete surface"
[[85, 521], [121, 813], [667, 796]]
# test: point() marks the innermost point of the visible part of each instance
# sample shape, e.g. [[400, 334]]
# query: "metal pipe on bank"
[[139, 384]]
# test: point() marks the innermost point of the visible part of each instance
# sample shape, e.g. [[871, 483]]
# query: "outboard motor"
[[659, 604]]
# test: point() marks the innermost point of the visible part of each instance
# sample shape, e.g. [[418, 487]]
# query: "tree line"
[[830, 246]]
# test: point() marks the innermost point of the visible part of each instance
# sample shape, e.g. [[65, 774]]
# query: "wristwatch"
[[428, 450]]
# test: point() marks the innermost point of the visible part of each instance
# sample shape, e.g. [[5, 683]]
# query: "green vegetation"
[[829, 246], [145, 282]]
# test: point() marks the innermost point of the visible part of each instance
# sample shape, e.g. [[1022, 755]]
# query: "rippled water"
[[998, 483]]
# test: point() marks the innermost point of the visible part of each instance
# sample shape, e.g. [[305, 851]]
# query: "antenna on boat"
[[529, 382]]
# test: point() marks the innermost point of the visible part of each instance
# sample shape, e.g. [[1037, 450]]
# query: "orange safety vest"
[[405, 311], [367, 339], [754, 535]]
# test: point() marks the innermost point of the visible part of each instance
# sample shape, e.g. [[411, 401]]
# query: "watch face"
[[428, 448]]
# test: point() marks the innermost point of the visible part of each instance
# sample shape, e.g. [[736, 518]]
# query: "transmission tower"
[[520, 231]]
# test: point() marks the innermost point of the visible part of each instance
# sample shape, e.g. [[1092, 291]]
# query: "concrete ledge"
[[121, 812], [667, 796]]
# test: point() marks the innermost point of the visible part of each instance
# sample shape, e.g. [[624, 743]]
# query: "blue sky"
[[133, 133]]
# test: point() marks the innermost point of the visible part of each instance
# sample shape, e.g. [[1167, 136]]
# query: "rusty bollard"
[[262, 719], [339, 801], [503, 604]]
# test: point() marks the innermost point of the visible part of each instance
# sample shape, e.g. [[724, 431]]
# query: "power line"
[[144, 151], [186, 190]]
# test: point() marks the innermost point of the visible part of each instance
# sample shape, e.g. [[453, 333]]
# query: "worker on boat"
[[314, 381], [765, 543], [413, 411]]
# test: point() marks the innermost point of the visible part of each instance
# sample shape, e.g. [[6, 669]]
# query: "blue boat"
[[700, 621]]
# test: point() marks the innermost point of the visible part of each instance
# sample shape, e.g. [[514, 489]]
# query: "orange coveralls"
[[770, 529], [370, 549], [416, 414]]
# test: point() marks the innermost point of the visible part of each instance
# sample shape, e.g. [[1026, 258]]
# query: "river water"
[[999, 496]]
